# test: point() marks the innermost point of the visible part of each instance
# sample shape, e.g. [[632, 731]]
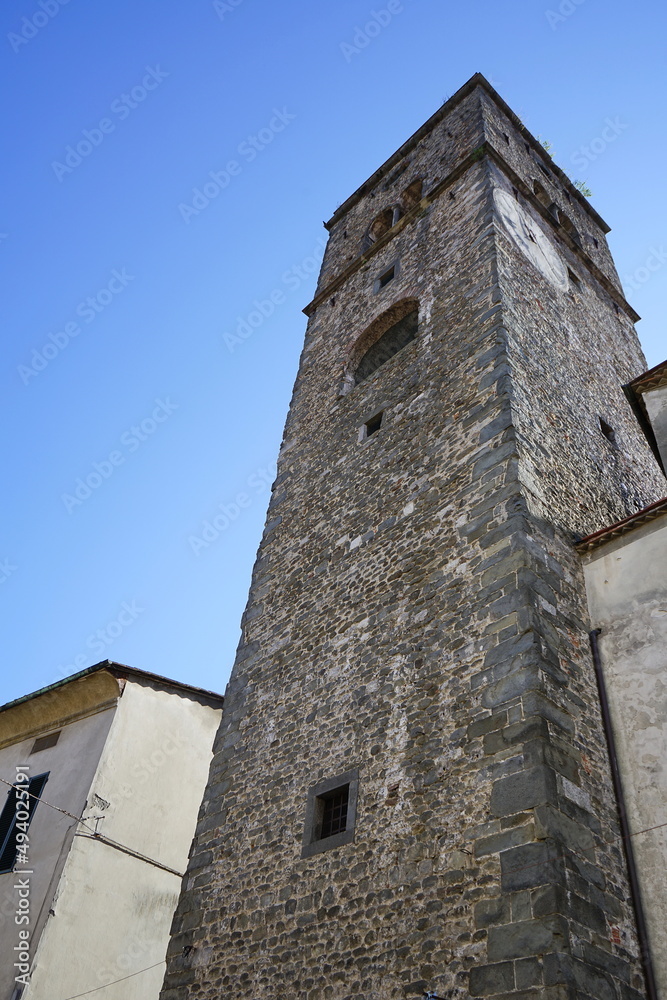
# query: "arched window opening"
[[381, 224], [569, 228], [387, 334], [541, 194], [412, 194], [392, 340], [545, 200]]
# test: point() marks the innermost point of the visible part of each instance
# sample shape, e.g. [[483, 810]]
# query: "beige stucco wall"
[[112, 912], [71, 764], [627, 592]]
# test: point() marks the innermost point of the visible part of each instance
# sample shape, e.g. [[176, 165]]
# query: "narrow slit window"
[[608, 431], [373, 425], [387, 276], [574, 280]]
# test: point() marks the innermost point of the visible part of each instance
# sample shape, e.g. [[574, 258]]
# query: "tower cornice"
[[478, 80], [485, 150]]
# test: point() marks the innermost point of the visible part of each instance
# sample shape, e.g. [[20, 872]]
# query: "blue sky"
[[124, 295]]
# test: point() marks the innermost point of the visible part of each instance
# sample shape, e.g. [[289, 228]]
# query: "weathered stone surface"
[[489, 980], [528, 937], [528, 972], [416, 584]]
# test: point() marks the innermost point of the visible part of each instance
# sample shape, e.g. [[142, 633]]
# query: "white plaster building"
[[625, 566], [91, 902]]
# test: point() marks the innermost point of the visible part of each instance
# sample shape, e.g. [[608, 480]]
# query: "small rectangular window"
[[575, 280], [334, 812], [330, 814], [385, 277], [45, 742], [373, 425]]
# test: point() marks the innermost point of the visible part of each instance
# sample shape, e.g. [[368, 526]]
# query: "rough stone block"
[[528, 972], [502, 841], [525, 939], [530, 866], [559, 968], [489, 980], [492, 911], [522, 791]]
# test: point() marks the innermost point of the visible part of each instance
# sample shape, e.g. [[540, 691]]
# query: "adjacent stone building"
[[105, 770], [411, 787]]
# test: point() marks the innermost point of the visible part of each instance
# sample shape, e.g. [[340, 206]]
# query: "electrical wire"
[[94, 835], [79, 819], [131, 976]]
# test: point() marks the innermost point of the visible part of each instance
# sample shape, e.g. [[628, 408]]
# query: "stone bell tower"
[[410, 790]]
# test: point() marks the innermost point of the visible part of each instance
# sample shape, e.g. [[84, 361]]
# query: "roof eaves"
[[628, 524], [119, 670]]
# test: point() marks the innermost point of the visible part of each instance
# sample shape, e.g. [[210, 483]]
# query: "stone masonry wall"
[[417, 613]]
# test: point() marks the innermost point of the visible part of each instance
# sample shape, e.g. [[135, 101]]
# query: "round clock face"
[[530, 239]]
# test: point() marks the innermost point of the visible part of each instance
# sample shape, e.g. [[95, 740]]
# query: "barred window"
[[334, 812], [330, 814]]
